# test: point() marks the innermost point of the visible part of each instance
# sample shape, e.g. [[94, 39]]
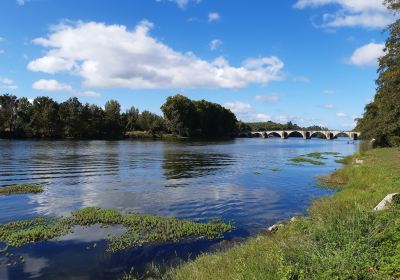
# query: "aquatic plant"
[[275, 169], [140, 229], [304, 159], [21, 189]]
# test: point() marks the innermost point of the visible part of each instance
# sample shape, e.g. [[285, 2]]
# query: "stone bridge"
[[306, 134]]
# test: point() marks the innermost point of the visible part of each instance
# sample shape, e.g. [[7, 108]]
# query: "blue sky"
[[306, 61]]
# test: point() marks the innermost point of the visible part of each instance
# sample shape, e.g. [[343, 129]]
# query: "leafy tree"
[[70, 113], [381, 119], [131, 119], [8, 112], [24, 112], [180, 114], [112, 118], [45, 119], [151, 123]]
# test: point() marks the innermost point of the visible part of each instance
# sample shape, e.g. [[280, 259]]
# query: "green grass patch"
[[306, 160], [140, 229], [21, 189], [341, 238]]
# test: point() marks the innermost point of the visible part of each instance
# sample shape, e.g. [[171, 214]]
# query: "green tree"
[[8, 113], [24, 112], [180, 114], [70, 113], [151, 123], [45, 120], [112, 119], [131, 119], [381, 119]]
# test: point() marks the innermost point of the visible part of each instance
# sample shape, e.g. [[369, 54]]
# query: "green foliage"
[[308, 160], [381, 119], [340, 239], [263, 126], [140, 229], [189, 118], [151, 123], [21, 189]]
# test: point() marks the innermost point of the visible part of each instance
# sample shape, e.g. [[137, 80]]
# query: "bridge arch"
[[318, 134], [274, 134], [295, 133], [341, 133]]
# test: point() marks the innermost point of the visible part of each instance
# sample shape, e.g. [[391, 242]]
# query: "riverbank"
[[341, 238]]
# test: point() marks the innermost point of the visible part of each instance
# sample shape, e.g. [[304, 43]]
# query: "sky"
[[305, 61]]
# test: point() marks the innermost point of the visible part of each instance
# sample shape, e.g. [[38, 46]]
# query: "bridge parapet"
[[306, 134]]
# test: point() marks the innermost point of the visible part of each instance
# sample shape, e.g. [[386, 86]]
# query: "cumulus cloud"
[[367, 55], [365, 13], [6, 81], [56, 86], [215, 44], [213, 17], [341, 115], [267, 98], [238, 107], [111, 56], [51, 85]]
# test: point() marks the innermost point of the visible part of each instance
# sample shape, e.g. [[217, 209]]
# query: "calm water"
[[231, 180]]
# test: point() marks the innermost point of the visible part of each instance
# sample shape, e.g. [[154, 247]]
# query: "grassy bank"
[[341, 238]]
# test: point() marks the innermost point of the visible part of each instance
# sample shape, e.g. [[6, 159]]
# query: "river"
[[247, 181]]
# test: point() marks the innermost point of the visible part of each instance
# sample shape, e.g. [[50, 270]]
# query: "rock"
[[274, 228], [384, 203], [293, 219], [359, 161]]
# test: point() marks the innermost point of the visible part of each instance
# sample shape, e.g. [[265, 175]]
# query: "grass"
[[307, 160], [21, 189], [140, 229], [341, 237]]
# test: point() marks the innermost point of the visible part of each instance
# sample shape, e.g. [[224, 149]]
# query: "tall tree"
[[45, 119], [24, 112], [8, 112], [381, 119], [112, 115], [180, 114], [131, 119], [70, 113]]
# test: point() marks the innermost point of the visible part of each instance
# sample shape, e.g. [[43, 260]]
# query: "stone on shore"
[[385, 202]]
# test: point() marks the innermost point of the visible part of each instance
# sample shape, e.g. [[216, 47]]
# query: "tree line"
[[46, 118], [381, 119], [270, 125]]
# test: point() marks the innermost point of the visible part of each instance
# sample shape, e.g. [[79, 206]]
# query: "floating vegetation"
[[257, 173], [308, 160], [275, 169], [316, 155], [140, 229], [21, 189]]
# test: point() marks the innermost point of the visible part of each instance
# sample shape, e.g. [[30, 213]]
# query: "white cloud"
[[262, 117], [328, 106], [213, 17], [6, 81], [267, 98], [111, 56], [21, 2], [50, 64], [182, 3], [238, 107], [8, 87], [55, 86], [89, 93], [341, 115], [367, 55], [51, 85], [215, 44], [365, 13], [328, 91], [302, 79]]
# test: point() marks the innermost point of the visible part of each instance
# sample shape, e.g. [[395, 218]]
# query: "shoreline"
[[341, 236]]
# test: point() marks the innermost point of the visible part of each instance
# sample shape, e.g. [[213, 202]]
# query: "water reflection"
[[246, 181]]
